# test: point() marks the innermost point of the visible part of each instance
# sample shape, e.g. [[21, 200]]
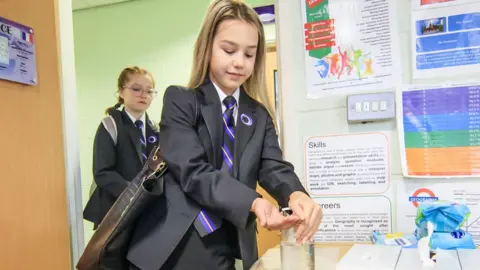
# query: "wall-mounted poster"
[[17, 53], [353, 219], [446, 41], [439, 129], [347, 164], [349, 46]]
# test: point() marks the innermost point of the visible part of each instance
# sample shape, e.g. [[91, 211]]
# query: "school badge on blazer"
[[247, 120]]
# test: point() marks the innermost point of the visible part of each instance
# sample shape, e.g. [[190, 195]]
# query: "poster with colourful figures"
[[446, 41], [349, 46], [439, 129]]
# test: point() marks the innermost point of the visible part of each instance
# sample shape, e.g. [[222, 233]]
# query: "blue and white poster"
[[17, 53], [446, 41]]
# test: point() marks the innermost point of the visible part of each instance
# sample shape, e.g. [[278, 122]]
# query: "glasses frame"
[[151, 93]]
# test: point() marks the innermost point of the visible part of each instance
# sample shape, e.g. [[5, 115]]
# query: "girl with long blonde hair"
[[218, 139]]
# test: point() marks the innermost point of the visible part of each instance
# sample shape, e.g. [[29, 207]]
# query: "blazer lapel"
[[134, 136], [151, 131], [245, 127], [211, 112]]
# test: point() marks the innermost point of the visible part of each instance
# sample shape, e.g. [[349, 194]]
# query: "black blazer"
[[115, 166], [191, 150]]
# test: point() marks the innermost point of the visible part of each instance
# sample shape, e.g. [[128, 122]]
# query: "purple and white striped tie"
[[206, 223]]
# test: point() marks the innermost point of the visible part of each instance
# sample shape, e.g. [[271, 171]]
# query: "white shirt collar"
[[222, 95], [142, 118]]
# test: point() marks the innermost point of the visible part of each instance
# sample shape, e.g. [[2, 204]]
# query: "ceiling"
[[83, 4]]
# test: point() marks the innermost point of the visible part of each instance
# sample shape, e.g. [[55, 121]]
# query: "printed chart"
[[440, 131]]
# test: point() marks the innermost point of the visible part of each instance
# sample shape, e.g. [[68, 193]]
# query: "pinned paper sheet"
[[4, 53], [17, 53]]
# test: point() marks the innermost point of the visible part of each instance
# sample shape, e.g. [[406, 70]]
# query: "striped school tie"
[[143, 144], [228, 145], [206, 223]]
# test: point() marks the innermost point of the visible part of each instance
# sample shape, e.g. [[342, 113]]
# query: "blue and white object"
[[394, 239], [266, 13]]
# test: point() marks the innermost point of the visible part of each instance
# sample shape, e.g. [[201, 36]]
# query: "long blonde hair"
[[219, 11]]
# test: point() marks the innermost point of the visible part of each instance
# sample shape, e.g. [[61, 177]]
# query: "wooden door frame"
[[272, 47]]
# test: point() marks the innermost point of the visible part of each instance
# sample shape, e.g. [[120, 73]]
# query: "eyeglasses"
[[138, 91]]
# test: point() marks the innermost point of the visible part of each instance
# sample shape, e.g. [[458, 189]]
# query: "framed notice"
[[446, 40], [347, 164], [17, 53]]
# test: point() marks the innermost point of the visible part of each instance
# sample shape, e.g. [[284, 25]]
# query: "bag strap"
[[110, 125]]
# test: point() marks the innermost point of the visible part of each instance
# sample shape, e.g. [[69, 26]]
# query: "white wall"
[[326, 116], [70, 129]]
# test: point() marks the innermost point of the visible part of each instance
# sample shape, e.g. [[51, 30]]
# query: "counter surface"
[[326, 257]]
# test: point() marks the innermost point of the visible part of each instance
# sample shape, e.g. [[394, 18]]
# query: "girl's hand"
[[269, 216], [308, 212]]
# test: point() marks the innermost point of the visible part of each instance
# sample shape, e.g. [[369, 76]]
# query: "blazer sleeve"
[[185, 156], [277, 176], [104, 163]]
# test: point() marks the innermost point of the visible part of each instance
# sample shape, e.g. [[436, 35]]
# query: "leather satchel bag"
[[108, 247]]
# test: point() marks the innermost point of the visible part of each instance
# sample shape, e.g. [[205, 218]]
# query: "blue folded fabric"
[[452, 240], [445, 216]]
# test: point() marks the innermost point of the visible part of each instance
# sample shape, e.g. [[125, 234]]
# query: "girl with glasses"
[[122, 142]]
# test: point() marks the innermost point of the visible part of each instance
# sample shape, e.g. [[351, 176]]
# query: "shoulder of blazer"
[[257, 104], [153, 124], [197, 97]]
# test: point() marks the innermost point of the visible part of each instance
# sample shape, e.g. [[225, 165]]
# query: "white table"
[[326, 257]]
